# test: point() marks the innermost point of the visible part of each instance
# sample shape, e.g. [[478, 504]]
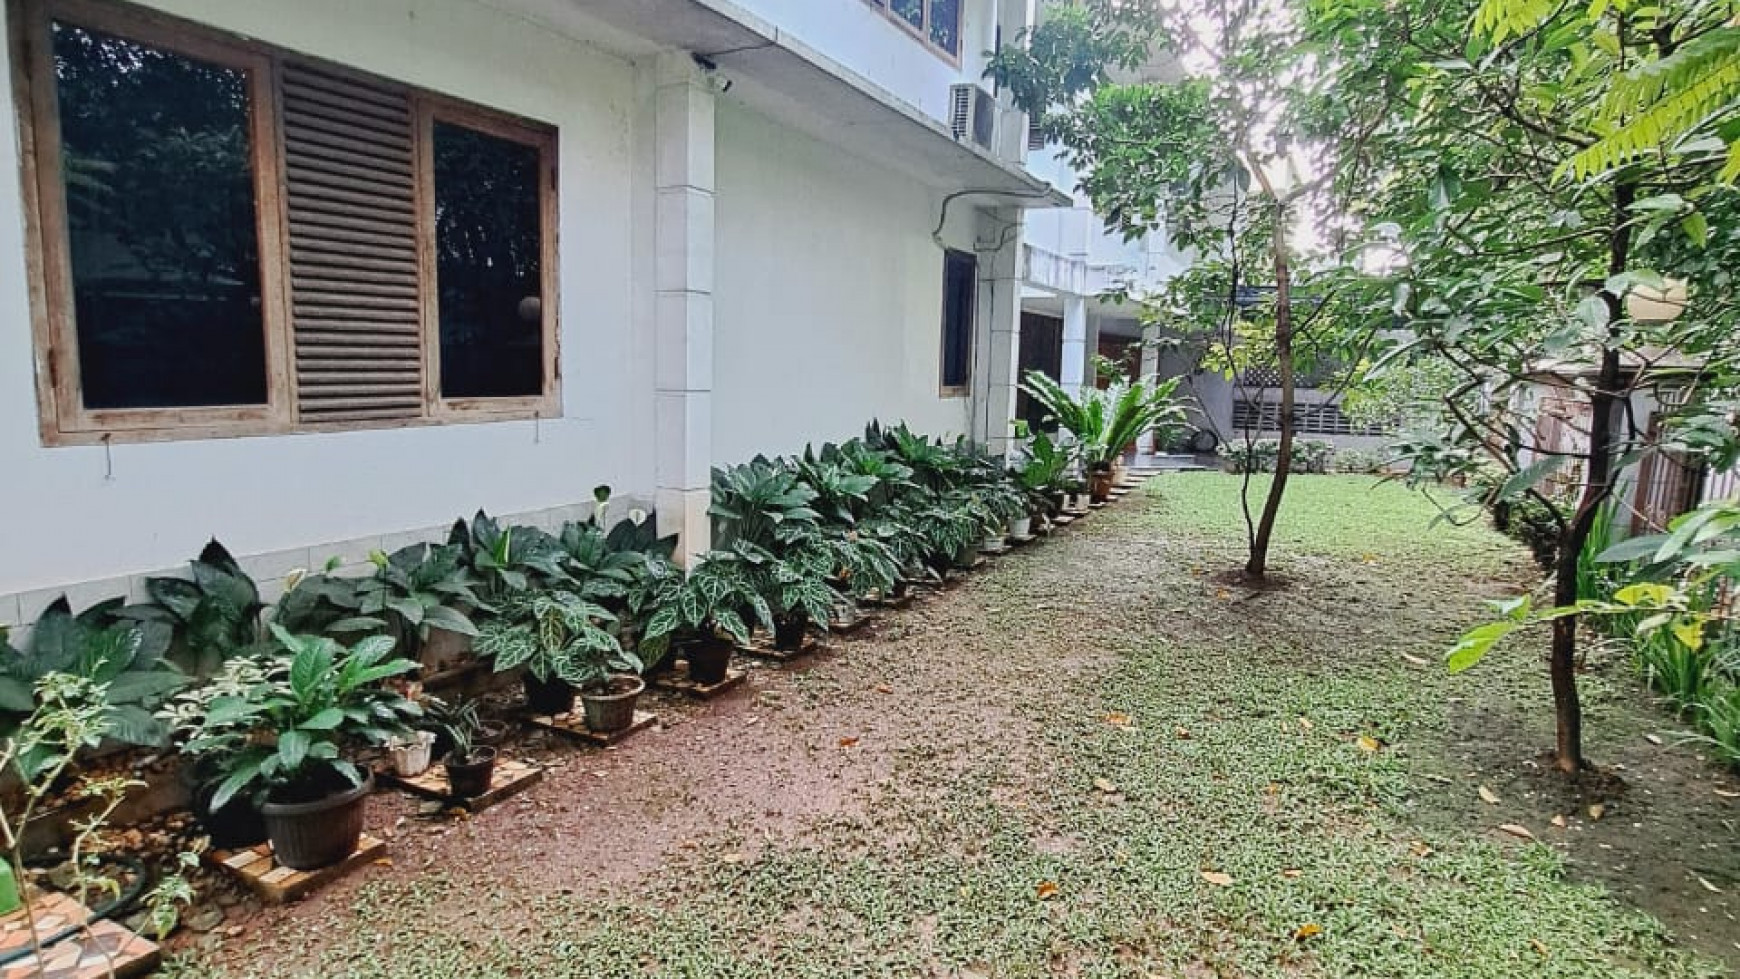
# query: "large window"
[[234, 240], [937, 22], [960, 283]]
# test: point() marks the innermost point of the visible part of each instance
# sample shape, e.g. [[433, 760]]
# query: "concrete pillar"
[[995, 375], [1150, 370], [1075, 366], [683, 134]]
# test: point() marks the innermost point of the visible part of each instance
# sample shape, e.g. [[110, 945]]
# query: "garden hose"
[[121, 904]]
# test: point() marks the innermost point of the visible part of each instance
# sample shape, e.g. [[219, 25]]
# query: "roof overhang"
[[784, 78]]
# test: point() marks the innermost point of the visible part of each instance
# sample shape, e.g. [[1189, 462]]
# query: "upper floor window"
[[233, 240], [938, 22]]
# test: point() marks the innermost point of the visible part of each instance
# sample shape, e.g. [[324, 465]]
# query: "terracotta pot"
[[611, 707], [311, 835], [1100, 485]]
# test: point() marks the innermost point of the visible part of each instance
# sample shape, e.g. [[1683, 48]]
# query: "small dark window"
[[945, 25], [489, 243], [911, 11], [960, 281], [157, 165]]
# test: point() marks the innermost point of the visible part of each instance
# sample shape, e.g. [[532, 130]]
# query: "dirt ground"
[[1090, 759]]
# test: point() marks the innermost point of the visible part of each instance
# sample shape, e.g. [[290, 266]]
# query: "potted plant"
[[562, 642], [411, 754], [1105, 421], [706, 614], [470, 764], [283, 741]]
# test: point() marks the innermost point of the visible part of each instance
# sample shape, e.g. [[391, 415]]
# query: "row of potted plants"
[[270, 707]]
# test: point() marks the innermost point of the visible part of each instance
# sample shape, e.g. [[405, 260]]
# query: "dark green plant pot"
[[709, 659], [471, 778], [311, 835], [610, 708], [788, 633], [549, 697]]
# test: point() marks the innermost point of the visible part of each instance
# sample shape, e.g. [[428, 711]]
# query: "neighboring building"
[[318, 278]]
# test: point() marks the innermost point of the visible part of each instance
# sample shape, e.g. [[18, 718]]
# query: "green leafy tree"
[[1514, 257]]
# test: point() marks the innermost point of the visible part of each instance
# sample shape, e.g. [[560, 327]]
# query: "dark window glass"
[[156, 158], [489, 239], [945, 25], [960, 275], [911, 11]]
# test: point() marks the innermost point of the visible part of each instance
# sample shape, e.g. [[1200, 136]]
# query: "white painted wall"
[[828, 300], [68, 520], [867, 40]]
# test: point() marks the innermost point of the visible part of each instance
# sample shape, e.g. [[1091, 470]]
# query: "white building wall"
[[867, 40], [828, 299], [76, 514]]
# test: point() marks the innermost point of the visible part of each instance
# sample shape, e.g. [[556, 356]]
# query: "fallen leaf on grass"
[[1292, 873], [1596, 811], [1488, 796], [1305, 724], [1521, 832], [1217, 878], [848, 742], [1369, 744], [1046, 890], [733, 859], [1117, 718], [1223, 595], [1415, 660], [1307, 931], [1559, 821], [1541, 947], [884, 688], [1182, 733], [1105, 785], [1712, 888], [1420, 849], [1652, 738], [1724, 793]]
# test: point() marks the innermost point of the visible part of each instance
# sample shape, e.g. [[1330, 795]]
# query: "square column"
[[996, 375], [1075, 365], [683, 317], [1149, 372]]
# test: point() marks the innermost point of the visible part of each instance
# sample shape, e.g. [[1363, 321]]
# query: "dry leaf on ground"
[[1217, 878], [848, 742], [1307, 931], [1596, 811], [1045, 890], [1488, 796], [1369, 744], [1516, 830], [1105, 785]]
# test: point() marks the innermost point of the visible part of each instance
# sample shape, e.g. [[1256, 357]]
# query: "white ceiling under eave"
[[783, 78]]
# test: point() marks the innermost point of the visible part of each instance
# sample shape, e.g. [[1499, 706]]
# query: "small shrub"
[[1308, 456], [1360, 462], [1718, 717]]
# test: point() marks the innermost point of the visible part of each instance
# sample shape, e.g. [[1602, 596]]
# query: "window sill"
[[54, 438]]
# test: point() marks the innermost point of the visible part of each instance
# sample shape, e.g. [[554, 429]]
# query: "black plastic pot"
[[553, 696], [709, 659], [236, 826], [788, 633], [490, 733], [471, 778], [311, 835], [610, 707]]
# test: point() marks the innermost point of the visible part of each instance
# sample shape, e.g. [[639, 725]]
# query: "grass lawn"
[[1092, 760]]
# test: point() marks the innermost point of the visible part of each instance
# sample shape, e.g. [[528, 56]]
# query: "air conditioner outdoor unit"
[[973, 115]]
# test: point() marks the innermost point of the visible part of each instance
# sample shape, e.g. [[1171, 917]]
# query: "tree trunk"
[[1257, 567], [1597, 487]]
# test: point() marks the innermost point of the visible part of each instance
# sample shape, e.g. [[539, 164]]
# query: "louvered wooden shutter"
[[350, 189]]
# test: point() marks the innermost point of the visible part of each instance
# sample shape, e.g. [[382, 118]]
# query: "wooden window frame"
[[922, 34], [426, 111], [62, 418], [965, 388]]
